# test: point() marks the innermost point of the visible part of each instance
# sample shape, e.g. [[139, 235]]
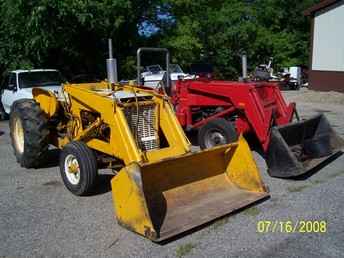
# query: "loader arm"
[[258, 106], [122, 143]]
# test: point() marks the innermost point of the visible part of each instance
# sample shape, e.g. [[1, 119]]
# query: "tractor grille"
[[143, 126]]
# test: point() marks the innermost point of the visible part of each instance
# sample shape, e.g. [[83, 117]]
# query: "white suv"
[[18, 84]]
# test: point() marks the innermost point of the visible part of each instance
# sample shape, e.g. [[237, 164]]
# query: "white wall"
[[328, 41]]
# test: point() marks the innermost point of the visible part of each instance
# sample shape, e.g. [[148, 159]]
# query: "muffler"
[[162, 199], [302, 147]]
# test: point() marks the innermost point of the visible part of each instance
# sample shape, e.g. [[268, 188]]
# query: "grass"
[[219, 223], [52, 183], [296, 189], [253, 211], [185, 249], [336, 174], [318, 181]]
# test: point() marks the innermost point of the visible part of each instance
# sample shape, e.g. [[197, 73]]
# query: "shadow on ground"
[[103, 185], [51, 159], [104, 180]]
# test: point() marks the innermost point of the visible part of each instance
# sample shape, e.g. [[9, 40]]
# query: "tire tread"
[[36, 132]]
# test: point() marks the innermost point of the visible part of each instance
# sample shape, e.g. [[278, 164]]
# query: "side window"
[[12, 80]]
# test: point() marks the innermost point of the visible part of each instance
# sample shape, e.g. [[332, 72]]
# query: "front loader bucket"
[[300, 147], [162, 199]]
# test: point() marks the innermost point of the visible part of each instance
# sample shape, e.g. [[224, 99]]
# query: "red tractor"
[[221, 110]]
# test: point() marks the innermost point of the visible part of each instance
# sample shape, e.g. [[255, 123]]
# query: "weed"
[[253, 211], [318, 181], [219, 223], [296, 189], [184, 249], [52, 183], [336, 174]]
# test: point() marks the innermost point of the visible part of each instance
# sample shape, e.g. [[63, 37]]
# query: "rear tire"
[[78, 167], [216, 132], [3, 115], [29, 133]]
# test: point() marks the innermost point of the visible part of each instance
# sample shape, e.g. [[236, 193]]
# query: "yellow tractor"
[[160, 187]]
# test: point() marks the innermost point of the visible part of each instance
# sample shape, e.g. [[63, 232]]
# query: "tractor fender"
[[47, 101]]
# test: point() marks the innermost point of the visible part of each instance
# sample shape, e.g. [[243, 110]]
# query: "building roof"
[[319, 6]]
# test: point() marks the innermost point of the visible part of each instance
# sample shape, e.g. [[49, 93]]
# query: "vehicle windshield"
[[154, 68], [40, 79], [175, 68]]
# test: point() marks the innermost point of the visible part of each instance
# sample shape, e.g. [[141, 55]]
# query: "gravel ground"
[[40, 218], [320, 97]]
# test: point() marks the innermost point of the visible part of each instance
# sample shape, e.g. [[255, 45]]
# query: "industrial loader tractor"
[[160, 188]]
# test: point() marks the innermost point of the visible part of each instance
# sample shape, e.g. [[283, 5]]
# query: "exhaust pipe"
[[244, 66], [111, 66]]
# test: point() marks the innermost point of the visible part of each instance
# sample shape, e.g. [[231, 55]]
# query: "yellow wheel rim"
[[18, 135]]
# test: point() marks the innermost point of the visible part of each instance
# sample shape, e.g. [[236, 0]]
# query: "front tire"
[[29, 133], [78, 167], [216, 132]]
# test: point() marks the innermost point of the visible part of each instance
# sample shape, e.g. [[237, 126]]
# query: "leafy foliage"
[[220, 31], [68, 34], [71, 35]]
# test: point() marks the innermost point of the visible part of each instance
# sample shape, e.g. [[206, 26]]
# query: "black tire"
[[30, 149], [216, 132], [3, 115], [88, 171]]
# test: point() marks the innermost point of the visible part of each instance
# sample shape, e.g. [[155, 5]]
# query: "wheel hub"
[[72, 169], [215, 138]]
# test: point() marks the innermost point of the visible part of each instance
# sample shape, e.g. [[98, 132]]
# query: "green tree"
[[69, 34], [220, 31]]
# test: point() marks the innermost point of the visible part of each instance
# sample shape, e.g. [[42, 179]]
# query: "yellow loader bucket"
[[162, 199]]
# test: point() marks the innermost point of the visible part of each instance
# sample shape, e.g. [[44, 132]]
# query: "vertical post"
[[138, 63], [111, 65], [244, 66], [150, 49], [110, 48], [168, 85]]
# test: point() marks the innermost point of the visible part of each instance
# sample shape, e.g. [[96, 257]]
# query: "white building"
[[326, 70]]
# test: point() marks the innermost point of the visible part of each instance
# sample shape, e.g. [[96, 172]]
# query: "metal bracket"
[[153, 49]]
